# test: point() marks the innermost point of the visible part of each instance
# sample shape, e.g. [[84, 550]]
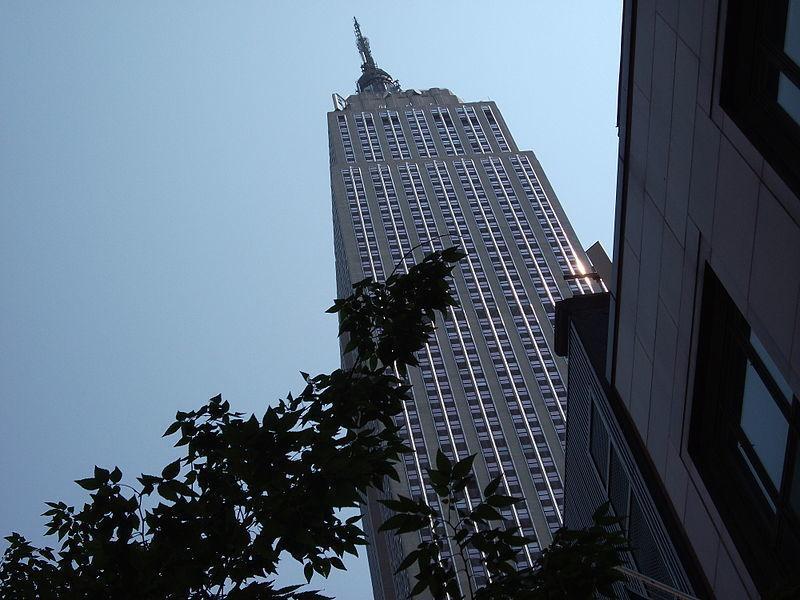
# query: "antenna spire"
[[362, 43], [372, 79]]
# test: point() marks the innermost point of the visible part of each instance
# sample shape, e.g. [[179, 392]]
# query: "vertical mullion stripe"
[[516, 294], [483, 413], [441, 392], [449, 205]]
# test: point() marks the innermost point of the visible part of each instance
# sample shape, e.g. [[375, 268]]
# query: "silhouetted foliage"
[[248, 490], [576, 565]]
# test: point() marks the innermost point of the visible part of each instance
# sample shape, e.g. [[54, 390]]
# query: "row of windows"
[[347, 143], [421, 133], [447, 131], [744, 438], [524, 236]]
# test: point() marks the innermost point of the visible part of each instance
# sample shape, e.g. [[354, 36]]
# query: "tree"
[[576, 565], [214, 523]]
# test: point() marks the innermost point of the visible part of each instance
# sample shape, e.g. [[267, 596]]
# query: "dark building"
[[423, 169], [683, 402]]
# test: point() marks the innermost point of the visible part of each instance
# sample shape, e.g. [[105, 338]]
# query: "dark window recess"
[[643, 546], [744, 440], [761, 79], [618, 486], [598, 444]]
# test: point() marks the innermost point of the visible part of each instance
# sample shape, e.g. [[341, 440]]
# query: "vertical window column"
[[526, 241], [447, 131], [565, 253], [484, 416], [344, 134], [474, 130], [366, 243], [495, 127], [421, 133], [540, 462], [450, 434], [398, 147], [368, 135], [548, 379]]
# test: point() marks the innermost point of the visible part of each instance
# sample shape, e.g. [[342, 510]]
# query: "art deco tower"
[[409, 168]]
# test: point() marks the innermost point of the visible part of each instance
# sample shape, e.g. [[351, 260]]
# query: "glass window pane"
[[789, 97], [791, 42], [779, 379], [764, 425], [598, 444], [795, 496]]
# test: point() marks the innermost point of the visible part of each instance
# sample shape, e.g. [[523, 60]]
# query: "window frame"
[[760, 519], [594, 417], [753, 58]]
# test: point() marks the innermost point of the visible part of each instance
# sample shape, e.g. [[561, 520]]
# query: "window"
[[598, 443], [761, 79], [619, 489], [744, 439]]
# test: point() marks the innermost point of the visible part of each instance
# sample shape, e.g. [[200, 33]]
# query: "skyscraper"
[[422, 169]]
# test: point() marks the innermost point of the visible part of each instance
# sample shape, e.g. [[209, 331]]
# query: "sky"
[[165, 220]]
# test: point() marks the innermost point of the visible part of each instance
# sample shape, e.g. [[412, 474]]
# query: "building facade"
[[701, 374], [416, 171]]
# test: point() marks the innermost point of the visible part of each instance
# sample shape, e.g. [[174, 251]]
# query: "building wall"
[[692, 189], [601, 466]]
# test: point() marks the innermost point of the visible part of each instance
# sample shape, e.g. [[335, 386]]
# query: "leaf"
[[453, 254], [493, 485], [395, 522], [443, 463], [485, 512], [167, 492], [502, 501], [518, 540], [414, 523], [602, 510], [308, 571], [408, 561], [89, 483], [172, 429], [101, 475], [171, 470], [116, 475], [462, 468]]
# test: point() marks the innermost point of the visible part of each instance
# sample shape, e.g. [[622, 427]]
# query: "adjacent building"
[[414, 171], [683, 396]]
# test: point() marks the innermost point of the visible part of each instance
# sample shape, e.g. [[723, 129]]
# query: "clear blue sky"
[[165, 229]]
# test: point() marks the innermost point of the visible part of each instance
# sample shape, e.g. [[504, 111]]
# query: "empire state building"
[[421, 168]]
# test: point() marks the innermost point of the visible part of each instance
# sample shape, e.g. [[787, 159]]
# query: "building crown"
[[372, 78]]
